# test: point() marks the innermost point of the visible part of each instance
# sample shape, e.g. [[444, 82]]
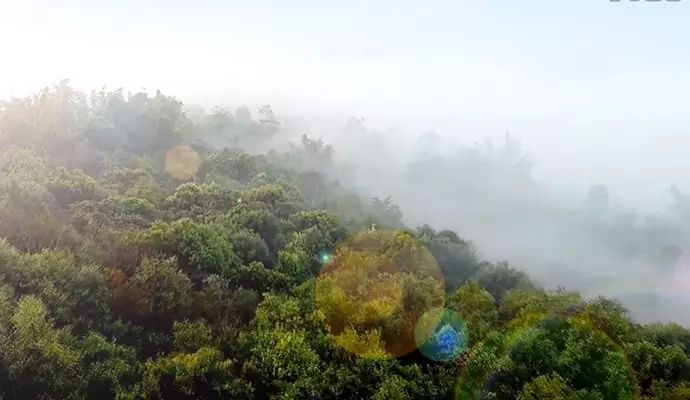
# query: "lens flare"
[[324, 257], [441, 334], [182, 162], [373, 290]]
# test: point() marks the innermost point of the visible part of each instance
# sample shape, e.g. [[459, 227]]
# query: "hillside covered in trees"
[[147, 254]]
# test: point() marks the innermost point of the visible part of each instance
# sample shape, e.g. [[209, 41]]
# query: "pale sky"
[[598, 91]]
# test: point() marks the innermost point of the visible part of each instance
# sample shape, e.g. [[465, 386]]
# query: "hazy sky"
[[598, 91]]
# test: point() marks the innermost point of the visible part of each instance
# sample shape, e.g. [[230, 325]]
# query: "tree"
[[552, 387], [239, 167], [526, 303], [455, 256], [477, 307], [110, 367], [196, 200], [39, 360], [203, 374], [250, 247], [282, 359], [156, 295], [134, 182], [203, 249], [499, 279], [52, 119], [583, 358], [189, 337], [76, 294], [71, 186], [265, 277]]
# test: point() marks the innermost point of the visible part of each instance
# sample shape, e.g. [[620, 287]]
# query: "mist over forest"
[[313, 200], [152, 249], [592, 241]]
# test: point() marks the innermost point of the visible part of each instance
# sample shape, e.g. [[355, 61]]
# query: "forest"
[[151, 251]]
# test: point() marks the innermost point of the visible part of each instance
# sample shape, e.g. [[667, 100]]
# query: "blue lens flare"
[[324, 257], [449, 338]]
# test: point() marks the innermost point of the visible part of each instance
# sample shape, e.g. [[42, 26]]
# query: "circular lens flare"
[[374, 288], [182, 162], [324, 257], [441, 334]]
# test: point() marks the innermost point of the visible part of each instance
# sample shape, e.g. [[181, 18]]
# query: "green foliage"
[[110, 367], [326, 223], [386, 213], [294, 260], [189, 337], [477, 307], [134, 182], [219, 302], [455, 256], [552, 387], [70, 186], [137, 206], [282, 359], [667, 334], [263, 278], [250, 247], [138, 123], [257, 218], [30, 216], [585, 359], [161, 288], [194, 200], [522, 303], [203, 374], [260, 278], [202, 248], [51, 119], [611, 318], [393, 388], [283, 200], [77, 295], [228, 164], [277, 311], [36, 349], [499, 279], [654, 364]]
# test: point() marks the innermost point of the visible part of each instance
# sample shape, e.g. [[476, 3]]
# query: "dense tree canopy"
[[260, 276]]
